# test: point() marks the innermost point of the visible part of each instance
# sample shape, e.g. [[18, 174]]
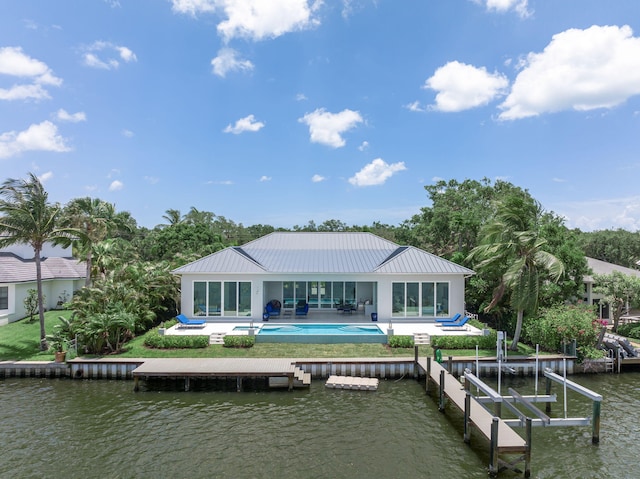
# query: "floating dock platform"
[[352, 382]]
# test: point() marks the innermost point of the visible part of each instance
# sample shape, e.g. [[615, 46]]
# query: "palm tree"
[[96, 220], [511, 245], [28, 217], [173, 217]]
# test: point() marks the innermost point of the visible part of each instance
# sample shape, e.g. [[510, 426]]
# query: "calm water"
[[102, 429]]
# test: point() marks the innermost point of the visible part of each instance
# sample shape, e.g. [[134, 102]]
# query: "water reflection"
[[102, 429]]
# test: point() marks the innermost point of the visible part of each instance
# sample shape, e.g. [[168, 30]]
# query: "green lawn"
[[20, 340]]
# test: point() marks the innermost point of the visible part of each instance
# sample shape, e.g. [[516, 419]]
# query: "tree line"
[[524, 256]]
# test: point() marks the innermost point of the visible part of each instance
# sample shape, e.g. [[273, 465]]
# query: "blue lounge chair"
[[449, 320], [302, 310], [454, 326], [185, 322], [272, 309]]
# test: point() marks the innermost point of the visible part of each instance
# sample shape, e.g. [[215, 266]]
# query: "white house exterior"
[[61, 276], [325, 270], [602, 267]]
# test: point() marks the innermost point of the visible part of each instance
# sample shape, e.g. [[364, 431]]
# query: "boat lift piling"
[[595, 397]]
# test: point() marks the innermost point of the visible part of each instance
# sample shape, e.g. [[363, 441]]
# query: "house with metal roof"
[[597, 266], [332, 273], [61, 276]]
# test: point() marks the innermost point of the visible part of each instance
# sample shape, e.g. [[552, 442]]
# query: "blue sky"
[[280, 112]]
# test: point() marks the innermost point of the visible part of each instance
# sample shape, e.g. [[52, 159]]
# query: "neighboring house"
[[602, 267], [61, 276], [328, 271]]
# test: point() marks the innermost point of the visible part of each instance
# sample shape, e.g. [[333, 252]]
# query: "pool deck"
[[401, 327]]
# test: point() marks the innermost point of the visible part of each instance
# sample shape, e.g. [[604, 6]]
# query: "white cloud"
[[612, 213], [317, 178], [193, 7], [38, 137], [126, 54], [127, 133], [579, 69], [521, 7], [93, 61], [364, 146], [301, 97], [255, 19], [14, 62], [415, 106], [44, 177], [265, 178], [24, 92], [227, 61], [461, 86], [376, 173], [63, 115], [104, 55], [248, 123], [152, 180], [327, 128], [116, 185]]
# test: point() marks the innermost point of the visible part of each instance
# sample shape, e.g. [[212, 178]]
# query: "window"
[[4, 297], [420, 299], [397, 298], [221, 298]]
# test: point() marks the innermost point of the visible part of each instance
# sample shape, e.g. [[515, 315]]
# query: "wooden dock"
[[352, 382], [503, 439], [187, 368]]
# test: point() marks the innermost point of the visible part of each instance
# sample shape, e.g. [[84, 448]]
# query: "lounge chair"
[[454, 326], [272, 309], [186, 323], [302, 310], [449, 320]]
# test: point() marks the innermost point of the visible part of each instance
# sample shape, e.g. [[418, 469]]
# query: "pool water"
[[321, 333]]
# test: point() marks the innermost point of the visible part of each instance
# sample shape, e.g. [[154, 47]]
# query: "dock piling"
[[441, 406]]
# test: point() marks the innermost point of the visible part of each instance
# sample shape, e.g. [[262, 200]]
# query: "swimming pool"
[[320, 333]]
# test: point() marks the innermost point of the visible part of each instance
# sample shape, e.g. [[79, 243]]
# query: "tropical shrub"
[[401, 341], [154, 340], [465, 342], [630, 330], [564, 323], [239, 341], [31, 304]]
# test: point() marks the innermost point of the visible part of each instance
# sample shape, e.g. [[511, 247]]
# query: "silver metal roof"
[[322, 253], [602, 267], [414, 260], [14, 269]]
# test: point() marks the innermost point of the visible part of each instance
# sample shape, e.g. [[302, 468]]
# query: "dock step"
[[217, 338], [352, 382], [421, 339], [300, 380]]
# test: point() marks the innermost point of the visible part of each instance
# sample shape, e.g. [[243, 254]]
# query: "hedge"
[[154, 340], [239, 341], [630, 330], [401, 341], [465, 342]]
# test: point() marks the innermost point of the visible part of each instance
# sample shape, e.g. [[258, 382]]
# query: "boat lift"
[[541, 418]]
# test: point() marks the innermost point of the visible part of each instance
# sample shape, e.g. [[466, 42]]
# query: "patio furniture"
[[302, 310], [272, 309], [186, 323], [347, 308], [458, 325], [449, 320]]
